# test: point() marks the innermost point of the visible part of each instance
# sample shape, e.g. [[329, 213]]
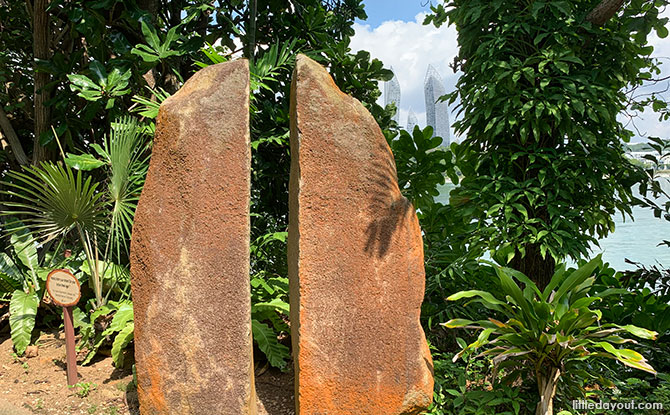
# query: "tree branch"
[[12, 138], [604, 11]]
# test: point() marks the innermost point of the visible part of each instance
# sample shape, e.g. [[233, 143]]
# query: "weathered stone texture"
[[355, 261], [190, 253]]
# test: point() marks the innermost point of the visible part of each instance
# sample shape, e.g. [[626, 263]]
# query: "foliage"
[[547, 334], [465, 390], [83, 388], [542, 160], [266, 338], [23, 310], [269, 297], [55, 200], [640, 301], [421, 165], [23, 275], [635, 390], [117, 320], [651, 189]]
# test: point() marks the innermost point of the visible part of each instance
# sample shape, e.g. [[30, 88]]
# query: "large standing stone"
[[355, 261], [190, 252]]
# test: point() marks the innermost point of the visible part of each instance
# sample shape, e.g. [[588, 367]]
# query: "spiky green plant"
[[547, 333]]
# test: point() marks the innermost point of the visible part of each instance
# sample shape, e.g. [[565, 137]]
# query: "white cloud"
[[409, 47]]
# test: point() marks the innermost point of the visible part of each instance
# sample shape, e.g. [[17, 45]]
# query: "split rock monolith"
[[190, 252], [355, 261]]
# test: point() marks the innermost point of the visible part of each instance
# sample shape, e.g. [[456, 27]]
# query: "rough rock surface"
[[355, 261], [190, 252]]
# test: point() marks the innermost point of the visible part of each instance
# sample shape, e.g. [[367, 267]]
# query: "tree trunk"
[[538, 269], [546, 385], [41, 51], [604, 11], [150, 6], [251, 33], [12, 138]]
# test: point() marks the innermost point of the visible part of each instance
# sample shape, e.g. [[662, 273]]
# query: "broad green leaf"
[[522, 278], [585, 302], [82, 82], [120, 342], [511, 289], [276, 304], [84, 162], [457, 322], [486, 296], [640, 332], [11, 277], [122, 316], [25, 247], [150, 35], [265, 337], [576, 278], [22, 313]]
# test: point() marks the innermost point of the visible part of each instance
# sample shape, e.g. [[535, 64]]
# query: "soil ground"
[[37, 385]]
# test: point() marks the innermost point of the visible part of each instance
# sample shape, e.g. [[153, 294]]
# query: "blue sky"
[[380, 11]]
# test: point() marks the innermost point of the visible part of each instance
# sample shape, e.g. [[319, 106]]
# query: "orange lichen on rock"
[[355, 261]]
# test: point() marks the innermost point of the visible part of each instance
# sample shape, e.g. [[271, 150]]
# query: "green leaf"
[[486, 296], [25, 247], [150, 35], [82, 82], [457, 322], [121, 318], [55, 199], [511, 289], [562, 66], [576, 278], [22, 313], [640, 332], [11, 277], [121, 341], [84, 162], [265, 337], [276, 304]]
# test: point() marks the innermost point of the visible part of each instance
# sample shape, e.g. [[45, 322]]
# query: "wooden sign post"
[[64, 289]]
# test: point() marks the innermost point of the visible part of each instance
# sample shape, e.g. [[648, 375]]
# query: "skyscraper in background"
[[412, 121], [437, 113], [392, 95]]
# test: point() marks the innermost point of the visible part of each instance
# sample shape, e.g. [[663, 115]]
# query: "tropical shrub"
[[542, 87], [119, 324], [546, 335], [61, 203], [23, 275], [468, 389]]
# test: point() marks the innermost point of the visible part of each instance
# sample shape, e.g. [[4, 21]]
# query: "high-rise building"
[[412, 121], [437, 113], [392, 95]]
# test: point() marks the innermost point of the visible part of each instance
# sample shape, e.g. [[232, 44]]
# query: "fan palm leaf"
[[128, 160], [51, 200]]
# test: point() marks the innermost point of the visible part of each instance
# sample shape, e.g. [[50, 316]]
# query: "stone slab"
[[355, 261], [190, 252]]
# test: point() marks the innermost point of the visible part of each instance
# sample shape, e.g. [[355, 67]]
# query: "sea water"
[[636, 240]]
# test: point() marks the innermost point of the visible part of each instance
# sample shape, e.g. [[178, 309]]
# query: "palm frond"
[[126, 150], [52, 199]]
